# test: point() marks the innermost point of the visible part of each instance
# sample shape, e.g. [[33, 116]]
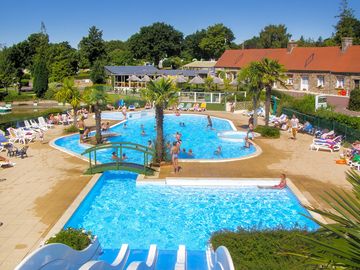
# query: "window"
[[320, 81], [304, 83], [290, 80], [340, 82], [357, 84]]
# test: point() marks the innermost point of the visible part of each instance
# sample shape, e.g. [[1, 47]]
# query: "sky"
[[69, 20]]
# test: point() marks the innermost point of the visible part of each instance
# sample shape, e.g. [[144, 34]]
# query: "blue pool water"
[[118, 211], [195, 136]]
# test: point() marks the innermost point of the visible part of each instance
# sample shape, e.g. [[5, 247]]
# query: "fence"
[[350, 134]]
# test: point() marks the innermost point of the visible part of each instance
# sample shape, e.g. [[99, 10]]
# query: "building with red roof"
[[328, 70]]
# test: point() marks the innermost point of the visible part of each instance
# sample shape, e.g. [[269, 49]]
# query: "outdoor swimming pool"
[[196, 136], [118, 211]]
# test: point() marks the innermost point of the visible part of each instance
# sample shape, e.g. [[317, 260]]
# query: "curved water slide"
[[220, 259], [59, 257], [150, 262], [118, 263]]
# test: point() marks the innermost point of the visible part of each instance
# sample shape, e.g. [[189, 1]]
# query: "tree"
[[348, 25], [41, 76], [343, 252], [354, 101], [251, 78], [156, 42], [162, 93], [97, 73], [218, 38], [7, 69], [96, 97], [92, 47], [192, 45], [68, 93], [113, 45], [274, 36], [122, 58], [62, 61], [271, 72], [253, 43]]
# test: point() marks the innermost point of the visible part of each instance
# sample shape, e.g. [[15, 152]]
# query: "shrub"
[[71, 129], [266, 249], [25, 82], [14, 96], [74, 238], [354, 102], [268, 132]]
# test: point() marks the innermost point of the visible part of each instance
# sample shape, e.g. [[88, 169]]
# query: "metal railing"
[[349, 133]]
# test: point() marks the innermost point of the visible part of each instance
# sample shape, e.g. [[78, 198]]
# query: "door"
[[304, 83]]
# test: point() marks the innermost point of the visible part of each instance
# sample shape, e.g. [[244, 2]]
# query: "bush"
[[71, 129], [266, 249], [74, 238], [354, 102], [268, 132], [25, 82], [14, 96]]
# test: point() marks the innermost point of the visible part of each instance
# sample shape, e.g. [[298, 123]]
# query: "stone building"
[[326, 70]]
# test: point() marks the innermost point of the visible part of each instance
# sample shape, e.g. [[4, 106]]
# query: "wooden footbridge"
[[118, 164]]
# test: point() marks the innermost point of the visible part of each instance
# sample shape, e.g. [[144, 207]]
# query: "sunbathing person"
[[282, 183]]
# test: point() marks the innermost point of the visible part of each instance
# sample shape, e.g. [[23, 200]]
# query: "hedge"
[[268, 132], [354, 102], [266, 250]]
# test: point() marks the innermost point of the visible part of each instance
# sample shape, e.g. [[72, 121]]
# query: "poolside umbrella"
[[217, 80], [159, 78], [180, 79], [146, 78], [197, 80], [234, 82], [133, 78]]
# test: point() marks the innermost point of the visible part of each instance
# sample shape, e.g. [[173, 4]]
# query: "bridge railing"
[[118, 148]]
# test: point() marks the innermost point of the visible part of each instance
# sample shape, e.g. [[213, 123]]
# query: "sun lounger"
[[6, 164], [42, 122], [336, 140], [325, 147], [181, 106], [188, 107], [35, 125]]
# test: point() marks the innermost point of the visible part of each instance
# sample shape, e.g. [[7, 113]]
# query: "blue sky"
[[69, 20]]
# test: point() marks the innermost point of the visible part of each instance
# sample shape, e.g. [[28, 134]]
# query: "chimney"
[[291, 45], [346, 42]]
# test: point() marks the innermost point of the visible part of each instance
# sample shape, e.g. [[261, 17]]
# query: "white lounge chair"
[[30, 127], [150, 261], [42, 122], [325, 147], [181, 258], [7, 164], [34, 124]]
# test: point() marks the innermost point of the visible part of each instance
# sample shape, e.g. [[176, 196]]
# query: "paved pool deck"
[[39, 189]]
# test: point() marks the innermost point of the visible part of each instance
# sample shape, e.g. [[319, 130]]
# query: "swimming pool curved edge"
[[257, 152]]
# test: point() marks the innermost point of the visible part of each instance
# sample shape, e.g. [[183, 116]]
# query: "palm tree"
[[251, 78], [70, 94], [162, 93], [96, 97], [272, 72], [343, 250]]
